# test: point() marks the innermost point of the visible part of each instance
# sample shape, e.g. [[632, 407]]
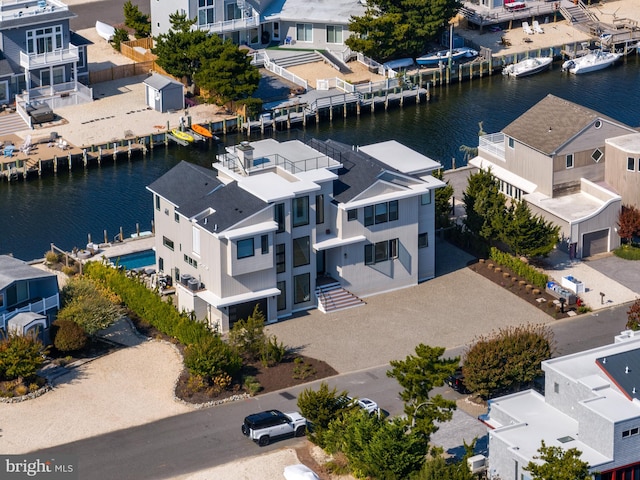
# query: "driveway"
[[625, 272]]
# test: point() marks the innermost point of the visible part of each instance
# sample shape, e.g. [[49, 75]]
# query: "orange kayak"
[[200, 130]]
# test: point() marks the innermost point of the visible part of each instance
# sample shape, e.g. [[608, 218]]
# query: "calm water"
[[66, 208]]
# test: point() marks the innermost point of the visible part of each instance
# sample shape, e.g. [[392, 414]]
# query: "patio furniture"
[[8, 150]]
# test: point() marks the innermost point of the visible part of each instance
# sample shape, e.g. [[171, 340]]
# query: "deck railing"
[[493, 143], [41, 306]]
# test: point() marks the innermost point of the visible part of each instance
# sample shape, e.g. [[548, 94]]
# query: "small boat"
[[596, 60], [444, 55], [106, 31], [399, 64], [187, 137], [202, 131], [528, 66]]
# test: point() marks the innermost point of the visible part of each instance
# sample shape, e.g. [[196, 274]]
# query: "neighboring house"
[[291, 226], [29, 298], [41, 63], [260, 23], [622, 169], [553, 156], [591, 403]]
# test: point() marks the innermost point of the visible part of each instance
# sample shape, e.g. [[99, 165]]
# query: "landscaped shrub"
[[68, 336], [520, 268], [51, 257], [302, 370], [248, 335], [273, 352], [20, 357], [252, 385], [211, 356]]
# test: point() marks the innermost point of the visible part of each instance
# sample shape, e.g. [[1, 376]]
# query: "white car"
[[366, 404]]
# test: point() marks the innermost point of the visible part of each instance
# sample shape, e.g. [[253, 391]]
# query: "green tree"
[[558, 464], [526, 234], [211, 356], [484, 206], [418, 374], [375, 447], [437, 468], [227, 71], [320, 407], [120, 35], [86, 305], [248, 335], [628, 223], [443, 201], [507, 360], [135, 19], [69, 336], [20, 356], [399, 28], [633, 316]]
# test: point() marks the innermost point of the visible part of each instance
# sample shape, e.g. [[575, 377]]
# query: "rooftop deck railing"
[[493, 143], [232, 162], [31, 61], [236, 24]]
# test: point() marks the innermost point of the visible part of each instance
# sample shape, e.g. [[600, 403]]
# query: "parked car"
[[365, 403], [263, 426], [456, 381]]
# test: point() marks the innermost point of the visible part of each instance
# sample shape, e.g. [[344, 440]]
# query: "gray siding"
[[531, 165], [626, 183]]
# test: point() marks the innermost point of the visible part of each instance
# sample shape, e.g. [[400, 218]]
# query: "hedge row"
[[149, 306], [517, 266]]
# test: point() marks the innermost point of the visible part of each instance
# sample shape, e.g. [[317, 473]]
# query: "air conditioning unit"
[[184, 279], [194, 285], [477, 463]]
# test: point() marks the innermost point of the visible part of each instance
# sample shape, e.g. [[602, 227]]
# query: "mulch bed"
[[513, 284]]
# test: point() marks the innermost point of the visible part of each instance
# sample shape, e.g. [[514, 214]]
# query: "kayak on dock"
[[202, 131], [184, 136]]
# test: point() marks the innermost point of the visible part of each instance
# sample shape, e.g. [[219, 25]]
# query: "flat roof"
[[629, 143], [271, 187], [571, 208], [319, 11], [401, 157]]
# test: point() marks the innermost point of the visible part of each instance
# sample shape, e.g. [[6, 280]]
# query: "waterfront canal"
[[66, 208]]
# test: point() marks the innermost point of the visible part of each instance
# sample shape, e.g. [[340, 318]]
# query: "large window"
[[631, 164], [282, 298], [44, 40], [304, 32], [206, 12], [300, 211], [167, 242], [352, 214], [17, 293], [264, 244], [334, 33], [423, 240], [302, 288], [279, 216], [232, 11], [245, 248], [380, 251], [301, 251], [281, 265], [381, 213], [319, 209]]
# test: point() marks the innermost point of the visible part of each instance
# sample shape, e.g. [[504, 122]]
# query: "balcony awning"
[[218, 302], [325, 242]]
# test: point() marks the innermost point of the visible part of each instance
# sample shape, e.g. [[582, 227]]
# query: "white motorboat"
[[444, 55], [106, 31], [528, 66], [596, 60]]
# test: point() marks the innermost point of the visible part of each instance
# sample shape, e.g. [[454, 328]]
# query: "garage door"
[[595, 242]]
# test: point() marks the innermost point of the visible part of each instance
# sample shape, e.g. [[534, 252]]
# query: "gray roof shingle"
[[551, 122], [12, 270]]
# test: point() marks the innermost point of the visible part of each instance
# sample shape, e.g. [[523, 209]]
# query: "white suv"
[[366, 404], [262, 427]]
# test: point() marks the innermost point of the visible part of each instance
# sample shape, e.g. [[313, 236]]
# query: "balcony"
[[41, 306], [235, 25], [492, 144], [63, 56]]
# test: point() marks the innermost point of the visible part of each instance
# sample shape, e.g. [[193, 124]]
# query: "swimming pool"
[[135, 260]]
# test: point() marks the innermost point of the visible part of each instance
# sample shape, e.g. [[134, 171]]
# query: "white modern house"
[[292, 226], [260, 23], [554, 156], [591, 402]]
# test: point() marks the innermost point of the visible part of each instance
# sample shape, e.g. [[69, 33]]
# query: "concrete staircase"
[[332, 297], [11, 123], [297, 59]]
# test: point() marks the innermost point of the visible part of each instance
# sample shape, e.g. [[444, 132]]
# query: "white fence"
[[41, 306]]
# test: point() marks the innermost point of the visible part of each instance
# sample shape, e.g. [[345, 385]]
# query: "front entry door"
[[320, 258]]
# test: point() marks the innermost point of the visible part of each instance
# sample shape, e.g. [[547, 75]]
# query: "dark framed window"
[[368, 254], [352, 214], [176, 217], [512, 143], [281, 265], [190, 261], [279, 216], [161, 264], [245, 248], [157, 202], [368, 215], [167, 243], [176, 274], [264, 244], [393, 210], [282, 298], [631, 164], [302, 288], [319, 209], [381, 212], [425, 198], [393, 248], [381, 252], [597, 155], [301, 251], [423, 240], [300, 211]]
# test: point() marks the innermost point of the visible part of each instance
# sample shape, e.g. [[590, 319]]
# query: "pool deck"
[[130, 245]]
